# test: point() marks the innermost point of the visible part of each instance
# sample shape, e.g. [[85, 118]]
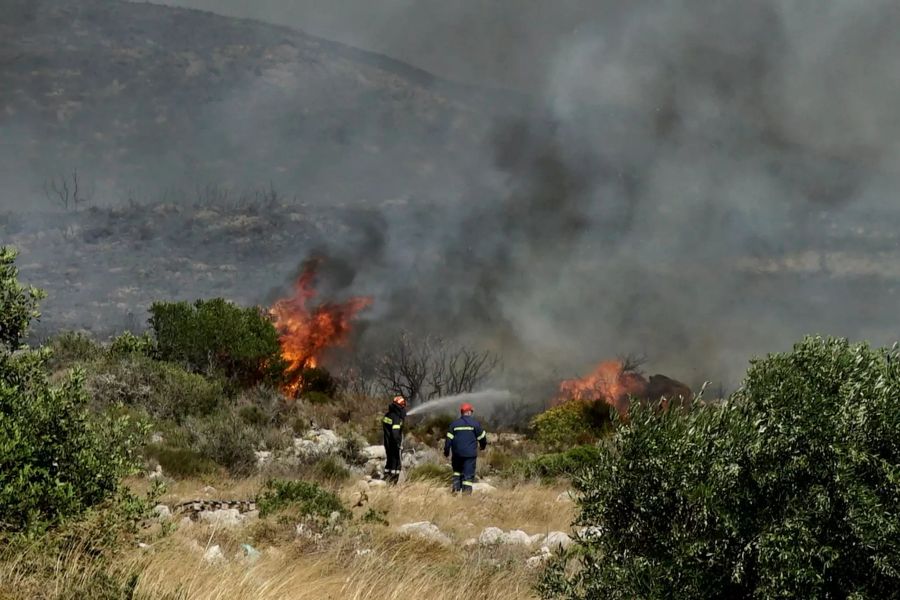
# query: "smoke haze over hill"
[[704, 181]]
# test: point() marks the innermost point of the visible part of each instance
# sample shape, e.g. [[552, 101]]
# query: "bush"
[[128, 344], [308, 499], [56, 461], [790, 488], [431, 472], [570, 463], [215, 335], [72, 347], [316, 380], [573, 422], [332, 469], [164, 390], [226, 440], [180, 462]]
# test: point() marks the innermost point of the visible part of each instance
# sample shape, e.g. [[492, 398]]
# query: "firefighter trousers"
[[392, 466], [463, 473]]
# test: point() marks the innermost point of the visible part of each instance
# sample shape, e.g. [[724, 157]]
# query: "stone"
[[162, 512], [157, 438], [214, 555], [536, 539], [334, 517], [470, 542], [491, 535], [224, 517], [557, 540], [378, 483], [208, 489], [250, 553], [518, 537], [483, 488], [374, 452], [157, 473], [263, 458], [537, 561], [590, 532], [425, 530]]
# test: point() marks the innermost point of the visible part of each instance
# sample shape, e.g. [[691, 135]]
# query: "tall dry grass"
[[361, 561]]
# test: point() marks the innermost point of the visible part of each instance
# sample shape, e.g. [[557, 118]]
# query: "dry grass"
[[362, 561]]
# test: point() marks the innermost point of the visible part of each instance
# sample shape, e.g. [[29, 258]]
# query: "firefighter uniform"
[[464, 438], [392, 424]]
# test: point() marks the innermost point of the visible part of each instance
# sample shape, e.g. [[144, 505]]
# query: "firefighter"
[[464, 439], [393, 436]]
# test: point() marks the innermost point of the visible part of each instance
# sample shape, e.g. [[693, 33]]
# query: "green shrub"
[[56, 460], [431, 472], [217, 336], [572, 422], [304, 497], [376, 517], [226, 440], [128, 344], [570, 463], [317, 398], [316, 380], [180, 462], [332, 469], [433, 429], [164, 390], [72, 347], [18, 303], [351, 450], [789, 489]]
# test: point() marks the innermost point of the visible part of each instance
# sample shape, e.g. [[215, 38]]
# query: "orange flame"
[[305, 332], [609, 383]]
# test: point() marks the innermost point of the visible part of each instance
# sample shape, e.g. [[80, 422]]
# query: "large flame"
[[610, 382], [304, 331]]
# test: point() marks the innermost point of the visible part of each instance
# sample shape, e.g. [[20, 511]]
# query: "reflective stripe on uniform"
[[396, 426], [387, 420], [463, 429], [482, 435], [468, 483], [455, 474], [449, 435]]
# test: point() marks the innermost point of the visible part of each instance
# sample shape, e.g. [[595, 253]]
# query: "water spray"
[[483, 402]]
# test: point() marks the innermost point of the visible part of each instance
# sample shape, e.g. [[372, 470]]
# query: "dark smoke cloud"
[[699, 187]]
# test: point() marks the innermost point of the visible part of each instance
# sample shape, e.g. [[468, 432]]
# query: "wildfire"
[[613, 383], [305, 331]]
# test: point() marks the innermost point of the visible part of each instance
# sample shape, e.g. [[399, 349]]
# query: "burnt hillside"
[[141, 98]]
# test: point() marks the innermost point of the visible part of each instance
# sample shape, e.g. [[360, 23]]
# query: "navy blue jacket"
[[464, 438], [392, 424]]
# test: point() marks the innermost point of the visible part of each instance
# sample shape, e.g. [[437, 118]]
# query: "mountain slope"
[[144, 97]]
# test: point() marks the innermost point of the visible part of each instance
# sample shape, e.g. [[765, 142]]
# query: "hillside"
[[142, 98]]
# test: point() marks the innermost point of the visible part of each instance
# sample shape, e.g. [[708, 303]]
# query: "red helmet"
[[466, 407], [400, 401]]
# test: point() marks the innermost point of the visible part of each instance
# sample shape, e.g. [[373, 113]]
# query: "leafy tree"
[[215, 335], [18, 303], [56, 461], [790, 489]]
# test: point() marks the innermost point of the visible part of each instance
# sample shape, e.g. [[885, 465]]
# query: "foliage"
[[430, 472], [226, 440], [217, 336], [72, 347], [56, 461], [164, 390], [570, 463], [375, 517], [790, 488], [316, 380], [127, 344], [304, 497], [18, 303], [572, 422], [331, 468], [433, 429], [180, 462]]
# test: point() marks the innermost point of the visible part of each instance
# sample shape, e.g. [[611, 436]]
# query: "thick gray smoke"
[[705, 180]]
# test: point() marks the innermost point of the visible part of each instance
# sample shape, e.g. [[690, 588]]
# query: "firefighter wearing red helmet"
[[464, 439], [392, 426]]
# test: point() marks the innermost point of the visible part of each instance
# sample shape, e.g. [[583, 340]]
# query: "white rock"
[[593, 531], [470, 542], [378, 483], [162, 512], [517, 536], [491, 535], [363, 551], [143, 546], [537, 561], [214, 555], [157, 438], [557, 540], [425, 530], [483, 488], [536, 539], [374, 452], [224, 517], [566, 497], [263, 457], [334, 517], [157, 473]]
